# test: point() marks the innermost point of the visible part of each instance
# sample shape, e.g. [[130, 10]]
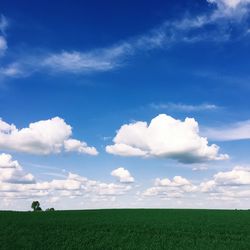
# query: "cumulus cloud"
[[236, 177], [165, 137], [229, 132], [42, 137], [12, 172], [73, 145], [233, 184], [123, 175], [166, 188], [15, 184]]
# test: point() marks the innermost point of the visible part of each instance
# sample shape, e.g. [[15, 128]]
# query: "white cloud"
[[226, 189], [229, 132], [123, 175], [176, 182], [73, 145], [12, 172], [42, 137], [226, 186], [237, 176], [165, 137], [232, 184], [125, 150], [165, 188], [7, 162], [19, 185]]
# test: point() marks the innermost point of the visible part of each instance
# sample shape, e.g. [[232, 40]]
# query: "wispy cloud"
[[184, 107], [97, 60], [222, 17], [13, 70], [229, 132], [3, 41], [3, 24]]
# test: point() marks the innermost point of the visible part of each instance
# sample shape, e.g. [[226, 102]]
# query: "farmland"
[[126, 229]]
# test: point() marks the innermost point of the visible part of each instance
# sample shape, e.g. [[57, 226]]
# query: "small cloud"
[[166, 188], [73, 145], [123, 175], [12, 172], [12, 70], [201, 168]]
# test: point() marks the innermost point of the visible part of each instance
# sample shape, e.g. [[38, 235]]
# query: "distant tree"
[[36, 206], [50, 209]]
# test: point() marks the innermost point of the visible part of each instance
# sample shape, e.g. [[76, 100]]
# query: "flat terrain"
[[126, 229]]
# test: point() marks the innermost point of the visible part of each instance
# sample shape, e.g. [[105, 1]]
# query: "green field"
[[126, 229]]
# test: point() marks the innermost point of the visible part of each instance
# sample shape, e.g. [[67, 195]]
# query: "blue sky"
[[94, 100]]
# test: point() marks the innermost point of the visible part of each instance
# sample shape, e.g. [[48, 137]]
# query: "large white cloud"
[[42, 137], [12, 172], [165, 137], [123, 175]]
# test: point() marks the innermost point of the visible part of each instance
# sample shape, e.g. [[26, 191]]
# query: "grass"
[[126, 229]]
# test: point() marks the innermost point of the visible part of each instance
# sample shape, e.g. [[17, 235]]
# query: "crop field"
[[126, 229]]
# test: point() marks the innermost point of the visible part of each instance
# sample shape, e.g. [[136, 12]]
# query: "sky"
[[125, 104]]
